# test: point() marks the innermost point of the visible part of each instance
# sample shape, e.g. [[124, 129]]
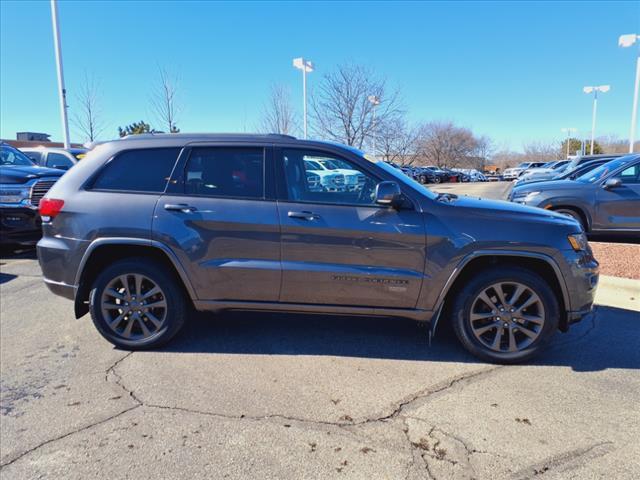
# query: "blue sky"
[[510, 70]]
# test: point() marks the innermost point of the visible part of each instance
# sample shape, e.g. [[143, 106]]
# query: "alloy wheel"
[[134, 306], [507, 317]]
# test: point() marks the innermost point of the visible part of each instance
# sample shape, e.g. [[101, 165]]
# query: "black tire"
[[423, 179], [468, 295], [436, 180], [172, 293], [573, 213]]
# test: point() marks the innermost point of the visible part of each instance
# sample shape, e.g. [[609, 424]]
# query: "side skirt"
[[217, 306]]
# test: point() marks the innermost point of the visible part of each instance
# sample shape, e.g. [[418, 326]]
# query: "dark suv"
[[148, 226]]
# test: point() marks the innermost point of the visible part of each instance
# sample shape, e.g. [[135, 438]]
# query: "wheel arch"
[[105, 251], [576, 208], [539, 263]]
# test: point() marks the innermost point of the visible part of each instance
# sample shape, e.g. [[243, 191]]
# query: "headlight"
[[578, 241], [524, 196], [14, 193]]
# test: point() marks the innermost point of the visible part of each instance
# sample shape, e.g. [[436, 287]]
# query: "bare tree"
[[445, 144], [164, 102], [396, 141], [278, 115], [340, 106], [86, 117], [540, 151]]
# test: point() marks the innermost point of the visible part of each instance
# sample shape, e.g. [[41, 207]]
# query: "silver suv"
[[147, 227]]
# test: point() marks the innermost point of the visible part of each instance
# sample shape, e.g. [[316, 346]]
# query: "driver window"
[[321, 178], [630, 175]]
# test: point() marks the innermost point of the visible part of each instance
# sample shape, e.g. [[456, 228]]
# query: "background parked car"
[[60, 158], [606, 199], [563, 174], [22, 185], [513, 173]]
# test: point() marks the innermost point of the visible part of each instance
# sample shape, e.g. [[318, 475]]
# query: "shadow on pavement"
[[9, 253], [6, 277], [608, 339]]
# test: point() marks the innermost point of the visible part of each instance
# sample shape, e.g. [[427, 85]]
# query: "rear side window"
[[226, 172], [144, 170], [57, 160]]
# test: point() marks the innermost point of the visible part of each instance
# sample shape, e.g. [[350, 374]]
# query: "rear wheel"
[[137, 305], [506, 315]]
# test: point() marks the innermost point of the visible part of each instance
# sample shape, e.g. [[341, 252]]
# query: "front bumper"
[[581, 273], [19, 225]]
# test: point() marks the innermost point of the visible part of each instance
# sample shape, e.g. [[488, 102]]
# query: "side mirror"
[[389, 194], [612, 183]]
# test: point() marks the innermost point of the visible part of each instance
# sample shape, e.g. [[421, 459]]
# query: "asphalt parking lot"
[[292, 396]]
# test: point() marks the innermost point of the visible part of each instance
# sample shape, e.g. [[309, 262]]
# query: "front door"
[[338, 246], [222, 224], [618, 208]]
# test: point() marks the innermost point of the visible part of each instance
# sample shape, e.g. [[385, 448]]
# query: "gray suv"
[[147, 227], [604, 200]]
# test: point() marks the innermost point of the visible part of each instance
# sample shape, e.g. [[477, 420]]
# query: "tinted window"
[[138, 170], [307, 181], [58, 160], [604, 170], [225, 172], [35, 156]]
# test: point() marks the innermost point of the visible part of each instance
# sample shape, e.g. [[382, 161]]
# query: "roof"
[[199, 137]]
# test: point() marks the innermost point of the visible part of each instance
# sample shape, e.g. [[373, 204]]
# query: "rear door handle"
[[179, 207], [304, 215]]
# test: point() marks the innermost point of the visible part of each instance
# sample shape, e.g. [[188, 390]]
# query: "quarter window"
[[321, 178], [142, 170], [225, 172]]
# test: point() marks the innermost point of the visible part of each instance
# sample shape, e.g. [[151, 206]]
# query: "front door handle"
[[304, 215], [179, 207]]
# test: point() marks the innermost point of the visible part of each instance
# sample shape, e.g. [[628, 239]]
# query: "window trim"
[[90, 182]]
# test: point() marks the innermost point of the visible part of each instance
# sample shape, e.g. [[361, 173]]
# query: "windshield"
[[524, 165], [406, 180], [558, 165], [14, 157], [604, 170]]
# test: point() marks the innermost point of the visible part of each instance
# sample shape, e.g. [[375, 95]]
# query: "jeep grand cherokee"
[[148, 226]]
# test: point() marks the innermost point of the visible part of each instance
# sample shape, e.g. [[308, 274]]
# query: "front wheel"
[[506, 315], [137, 305]]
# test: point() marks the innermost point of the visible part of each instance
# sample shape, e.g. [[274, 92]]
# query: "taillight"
[[50, 207]]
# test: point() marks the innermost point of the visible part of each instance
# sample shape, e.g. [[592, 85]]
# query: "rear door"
[[340, 248], [619, 208], [219, 216]]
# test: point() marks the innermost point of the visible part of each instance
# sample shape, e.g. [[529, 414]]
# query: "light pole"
[[375, 101], [307, 67], [62, 93], [627, 41], [595, 90], [569, 130]]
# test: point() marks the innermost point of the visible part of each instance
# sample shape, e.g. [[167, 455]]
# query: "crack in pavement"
[[346, 426], [563, 459], [68, 434]]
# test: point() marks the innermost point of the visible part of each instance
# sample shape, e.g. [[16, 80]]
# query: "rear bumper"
[[61, 289]]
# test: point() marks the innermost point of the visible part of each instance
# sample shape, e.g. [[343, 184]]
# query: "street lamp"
[[375, 101], [307, 67], [569, 131], [626, 41], [62, 93], [595, 90]]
